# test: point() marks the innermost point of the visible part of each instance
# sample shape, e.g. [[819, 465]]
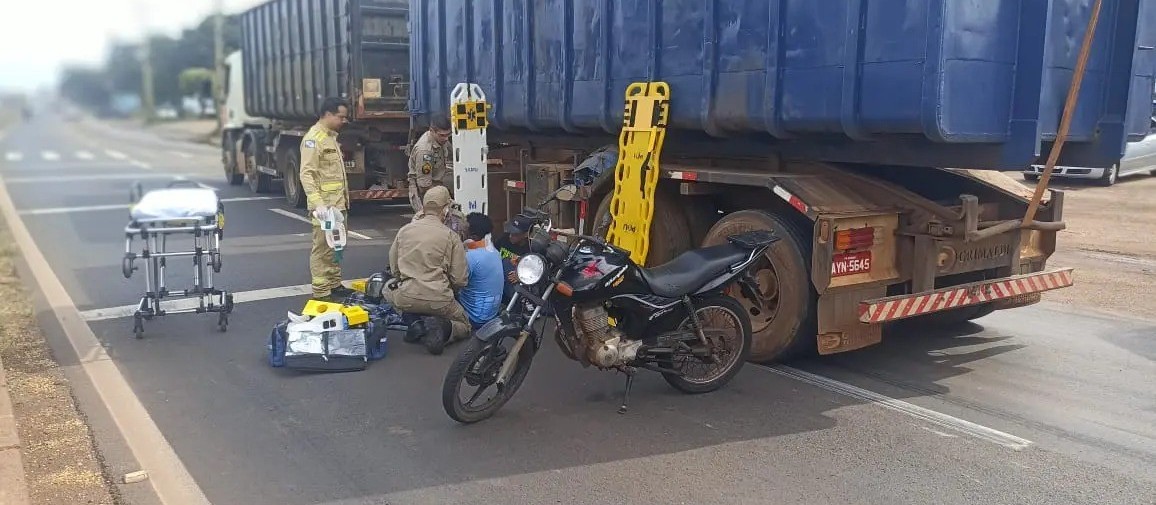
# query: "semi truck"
[[870, 136], [296, 53]]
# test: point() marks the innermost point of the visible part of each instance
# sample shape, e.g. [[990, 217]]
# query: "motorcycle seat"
[[691, 270]]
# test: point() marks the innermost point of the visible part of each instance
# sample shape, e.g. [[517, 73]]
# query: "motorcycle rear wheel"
[[734, 350], [480, 363]]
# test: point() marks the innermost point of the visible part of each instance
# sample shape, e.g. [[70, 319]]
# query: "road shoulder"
[[47, 454]]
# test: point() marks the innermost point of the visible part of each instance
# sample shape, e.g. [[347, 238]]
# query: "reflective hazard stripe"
[[795, 201], [900, 307]]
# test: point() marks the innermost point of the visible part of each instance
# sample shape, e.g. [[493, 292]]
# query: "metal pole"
[[148, 97], [1066, 118], [219, 61]]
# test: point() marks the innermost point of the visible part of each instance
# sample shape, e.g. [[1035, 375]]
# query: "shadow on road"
[[916, 358]]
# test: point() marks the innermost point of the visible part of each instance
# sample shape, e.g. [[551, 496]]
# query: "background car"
[[1139, 157]]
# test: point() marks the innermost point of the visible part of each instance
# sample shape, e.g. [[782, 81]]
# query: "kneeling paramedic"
[[428, 263]]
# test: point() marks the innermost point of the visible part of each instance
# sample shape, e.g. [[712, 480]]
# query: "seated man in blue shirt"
[[482, 296]]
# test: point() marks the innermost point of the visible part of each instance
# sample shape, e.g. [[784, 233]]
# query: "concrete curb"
[[14, 491]]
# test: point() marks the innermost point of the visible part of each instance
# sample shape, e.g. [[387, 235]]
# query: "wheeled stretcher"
[[182, 208]]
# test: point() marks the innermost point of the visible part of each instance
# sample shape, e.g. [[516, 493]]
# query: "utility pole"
[[219, 61], [148, 98]]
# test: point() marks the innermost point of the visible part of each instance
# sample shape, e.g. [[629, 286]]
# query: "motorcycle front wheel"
[[478, 366], [728, 329]]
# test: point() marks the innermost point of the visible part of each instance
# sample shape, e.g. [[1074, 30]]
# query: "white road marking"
[[189, 303], [93, 208], [937, 418], [84, 155], [117, 155], [13, 156], [78, 178], [182, 155], [167, 474], [49, 156], [306, 220], [141, 164], [199, 184]]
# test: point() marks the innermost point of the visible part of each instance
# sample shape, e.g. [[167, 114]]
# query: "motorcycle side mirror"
[[567, 193]]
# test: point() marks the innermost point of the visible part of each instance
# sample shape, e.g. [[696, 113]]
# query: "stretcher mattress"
[[175, 204]]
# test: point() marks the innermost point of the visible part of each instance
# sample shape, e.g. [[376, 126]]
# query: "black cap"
[[519, 224]]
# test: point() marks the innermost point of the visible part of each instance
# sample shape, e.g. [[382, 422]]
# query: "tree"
[[170, 58], [197, 81], [86, 87]]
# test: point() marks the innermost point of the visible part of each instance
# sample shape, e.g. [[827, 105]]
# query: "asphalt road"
[[1045, 404]]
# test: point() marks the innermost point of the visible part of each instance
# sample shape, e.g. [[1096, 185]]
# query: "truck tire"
[[669, 233], [291, 179], [785, 325], [229, 159], [701, 215], [258, 182]]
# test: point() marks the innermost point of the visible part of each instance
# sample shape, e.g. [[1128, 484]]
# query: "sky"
[[37, 37]]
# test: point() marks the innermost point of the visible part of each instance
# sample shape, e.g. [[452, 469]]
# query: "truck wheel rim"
[[761, 315]]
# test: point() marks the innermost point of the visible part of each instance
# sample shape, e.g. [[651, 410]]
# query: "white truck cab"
[[234, 113]]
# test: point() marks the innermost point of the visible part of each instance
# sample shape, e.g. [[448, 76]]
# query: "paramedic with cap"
[[428, 261], [323, 181], [429, 161]]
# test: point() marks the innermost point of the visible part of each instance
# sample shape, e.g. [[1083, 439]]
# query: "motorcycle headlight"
[[530, 269]]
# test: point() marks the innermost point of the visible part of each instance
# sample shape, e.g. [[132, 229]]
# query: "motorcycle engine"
[[604, 345]]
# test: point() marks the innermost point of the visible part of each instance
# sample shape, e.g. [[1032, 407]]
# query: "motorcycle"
[[674, 319]]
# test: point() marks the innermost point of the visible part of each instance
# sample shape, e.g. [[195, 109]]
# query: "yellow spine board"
[[636, 176]]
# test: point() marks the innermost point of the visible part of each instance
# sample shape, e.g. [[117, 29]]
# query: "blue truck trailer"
[[869, 134]]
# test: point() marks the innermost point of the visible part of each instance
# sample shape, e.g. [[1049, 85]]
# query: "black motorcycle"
[[674, 319]]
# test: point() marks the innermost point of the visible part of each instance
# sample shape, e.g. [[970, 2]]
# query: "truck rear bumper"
[[892, 308]]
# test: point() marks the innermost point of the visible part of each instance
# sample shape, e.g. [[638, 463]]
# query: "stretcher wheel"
[[138, 327], [216, 263], [126, 266], [223, 321]]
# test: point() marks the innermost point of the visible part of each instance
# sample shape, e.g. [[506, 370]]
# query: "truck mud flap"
[[893, 308]]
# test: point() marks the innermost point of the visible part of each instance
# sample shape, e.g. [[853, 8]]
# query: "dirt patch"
[[60, 459], [1111, 242]]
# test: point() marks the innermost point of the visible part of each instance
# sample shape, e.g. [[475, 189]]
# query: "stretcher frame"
[[206, 232]]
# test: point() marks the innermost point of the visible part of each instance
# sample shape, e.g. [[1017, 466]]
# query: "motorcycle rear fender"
[[723, 281]]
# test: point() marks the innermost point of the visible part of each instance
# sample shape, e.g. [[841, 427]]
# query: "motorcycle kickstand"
[[626, 394]]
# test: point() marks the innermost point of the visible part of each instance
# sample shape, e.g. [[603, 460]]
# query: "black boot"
[[437, 334], [415, 332]]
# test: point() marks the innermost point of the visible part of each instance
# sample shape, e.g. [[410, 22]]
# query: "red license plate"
[[851, 263]]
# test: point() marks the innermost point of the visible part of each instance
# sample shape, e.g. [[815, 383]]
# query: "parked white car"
[[1139, 157]]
